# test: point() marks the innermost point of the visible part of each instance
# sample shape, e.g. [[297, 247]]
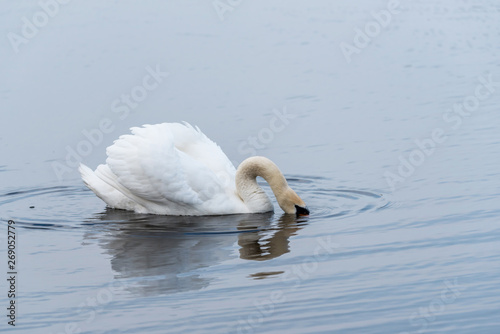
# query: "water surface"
[[403, 232]]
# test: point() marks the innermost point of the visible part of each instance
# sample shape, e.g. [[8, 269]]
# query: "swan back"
[[191, 141]]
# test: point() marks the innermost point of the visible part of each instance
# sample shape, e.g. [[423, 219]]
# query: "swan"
[[175, 169]]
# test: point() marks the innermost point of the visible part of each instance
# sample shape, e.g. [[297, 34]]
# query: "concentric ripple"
[[70, 207], [328, 202]]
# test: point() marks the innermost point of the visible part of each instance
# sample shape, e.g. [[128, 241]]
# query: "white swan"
[[174, 169]]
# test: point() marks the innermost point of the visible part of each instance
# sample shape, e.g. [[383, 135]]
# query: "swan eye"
[[301, 211]]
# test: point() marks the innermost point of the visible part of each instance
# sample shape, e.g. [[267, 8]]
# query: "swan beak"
[[301, 211]]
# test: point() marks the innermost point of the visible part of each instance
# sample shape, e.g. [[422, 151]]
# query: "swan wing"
[[194, 143], [168, 169]]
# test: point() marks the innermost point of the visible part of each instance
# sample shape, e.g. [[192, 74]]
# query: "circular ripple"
[[56, 207], [325, 202], [70, 207]]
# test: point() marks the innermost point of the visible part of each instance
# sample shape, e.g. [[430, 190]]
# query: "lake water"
[[383, 116]]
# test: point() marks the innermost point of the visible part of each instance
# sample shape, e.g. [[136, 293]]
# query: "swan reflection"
[[166, 254], [270, 243]]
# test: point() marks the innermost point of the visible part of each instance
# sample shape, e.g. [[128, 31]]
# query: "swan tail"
[[88, 176], [104, 184]]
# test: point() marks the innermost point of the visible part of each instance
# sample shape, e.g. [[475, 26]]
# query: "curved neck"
[[248, 189]]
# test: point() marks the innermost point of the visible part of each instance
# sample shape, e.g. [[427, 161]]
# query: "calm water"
[[389, 131]]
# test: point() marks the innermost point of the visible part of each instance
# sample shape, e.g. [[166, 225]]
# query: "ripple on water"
[[72, 207]]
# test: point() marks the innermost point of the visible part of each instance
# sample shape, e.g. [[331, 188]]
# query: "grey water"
[[383, 115]]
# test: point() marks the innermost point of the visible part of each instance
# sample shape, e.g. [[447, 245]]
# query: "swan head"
[[291, 203]]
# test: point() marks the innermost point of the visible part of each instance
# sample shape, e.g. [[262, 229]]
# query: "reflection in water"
[[162, 254], [266, 274], [271, 243]]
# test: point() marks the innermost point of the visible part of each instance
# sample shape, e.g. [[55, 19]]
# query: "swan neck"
[[246, 183]]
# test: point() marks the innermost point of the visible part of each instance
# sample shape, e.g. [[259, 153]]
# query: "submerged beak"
[[301, 211]]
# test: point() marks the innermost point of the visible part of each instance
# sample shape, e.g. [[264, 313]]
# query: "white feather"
[[170, 169]]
